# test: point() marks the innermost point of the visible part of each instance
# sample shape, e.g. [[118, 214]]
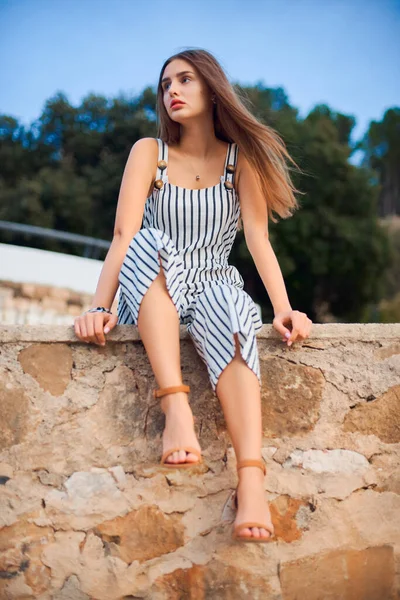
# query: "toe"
[[172, 458], [255, 532], [181, 455], [245, 532], [192, 457], [264, 533]]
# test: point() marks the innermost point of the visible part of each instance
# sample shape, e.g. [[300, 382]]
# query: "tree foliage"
[[64, 172]]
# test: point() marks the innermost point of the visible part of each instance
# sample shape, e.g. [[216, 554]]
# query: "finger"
[[84, 332], [293, 336], [279, 326], [90, 328], [299, 326], [98, 329], [286, 335], [307, 330], [77, 329], [107, 325], [304, 329], [110, 322], [302, 332], [113, 321]]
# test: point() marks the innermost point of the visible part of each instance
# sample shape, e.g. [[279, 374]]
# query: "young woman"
[[178, 212]]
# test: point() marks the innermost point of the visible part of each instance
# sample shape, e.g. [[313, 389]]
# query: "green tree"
[[64, 172], [381, 147]]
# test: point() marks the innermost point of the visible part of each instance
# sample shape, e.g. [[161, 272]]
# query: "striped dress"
[[192, 231]]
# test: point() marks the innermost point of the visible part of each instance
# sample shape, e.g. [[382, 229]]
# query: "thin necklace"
[[197, 176]]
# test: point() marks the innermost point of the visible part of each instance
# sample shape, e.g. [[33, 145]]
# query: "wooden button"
[[162, 165], [230, 168], [228, 185], [158, 183]]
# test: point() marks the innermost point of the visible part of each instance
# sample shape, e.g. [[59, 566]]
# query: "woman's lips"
[[177, 105]]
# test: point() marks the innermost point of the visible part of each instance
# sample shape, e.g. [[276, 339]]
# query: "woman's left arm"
[[255, 228]]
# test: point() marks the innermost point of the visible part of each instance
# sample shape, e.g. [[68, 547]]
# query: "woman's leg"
[[158, 325], [238, 390]]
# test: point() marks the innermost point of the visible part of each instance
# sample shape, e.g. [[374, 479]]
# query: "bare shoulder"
[[147, 148], [146, 142], [144, 153], [136, 186], [243, 167], [252, 200]]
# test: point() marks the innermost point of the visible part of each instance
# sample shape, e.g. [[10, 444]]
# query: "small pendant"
[[197, 177]]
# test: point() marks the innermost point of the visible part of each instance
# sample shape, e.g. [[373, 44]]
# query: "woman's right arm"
[[136, 183]]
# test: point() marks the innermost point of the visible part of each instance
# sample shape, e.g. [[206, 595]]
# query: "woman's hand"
[[301, 325], [92, 327]]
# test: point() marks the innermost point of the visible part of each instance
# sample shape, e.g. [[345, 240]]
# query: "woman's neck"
[[198, 140]]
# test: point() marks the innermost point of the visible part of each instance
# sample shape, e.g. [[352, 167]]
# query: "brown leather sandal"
[[250, 463], [171, 390]]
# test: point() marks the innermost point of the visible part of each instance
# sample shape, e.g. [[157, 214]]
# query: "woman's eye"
[[183, 78]]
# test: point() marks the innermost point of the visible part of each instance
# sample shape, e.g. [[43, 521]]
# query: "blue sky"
[[343, 53]]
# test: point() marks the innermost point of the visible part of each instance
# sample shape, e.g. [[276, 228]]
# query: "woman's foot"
[[252, 503], [179, 428]]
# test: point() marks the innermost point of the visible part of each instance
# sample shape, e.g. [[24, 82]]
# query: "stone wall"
[[87, 512]]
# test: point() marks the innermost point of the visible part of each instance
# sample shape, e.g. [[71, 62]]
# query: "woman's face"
[[181, 81]]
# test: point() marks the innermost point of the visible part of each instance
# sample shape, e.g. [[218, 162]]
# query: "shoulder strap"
[[162, 156], [230, 162]]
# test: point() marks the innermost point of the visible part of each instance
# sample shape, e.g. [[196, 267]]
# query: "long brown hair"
[[233, 122]]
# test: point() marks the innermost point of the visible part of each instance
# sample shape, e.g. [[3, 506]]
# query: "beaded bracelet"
[[99, 309]]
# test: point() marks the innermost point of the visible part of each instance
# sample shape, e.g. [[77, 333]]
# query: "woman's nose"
[[173, 87]]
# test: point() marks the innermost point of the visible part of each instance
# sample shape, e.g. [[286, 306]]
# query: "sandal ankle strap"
[[251, 462], [171, 390]]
